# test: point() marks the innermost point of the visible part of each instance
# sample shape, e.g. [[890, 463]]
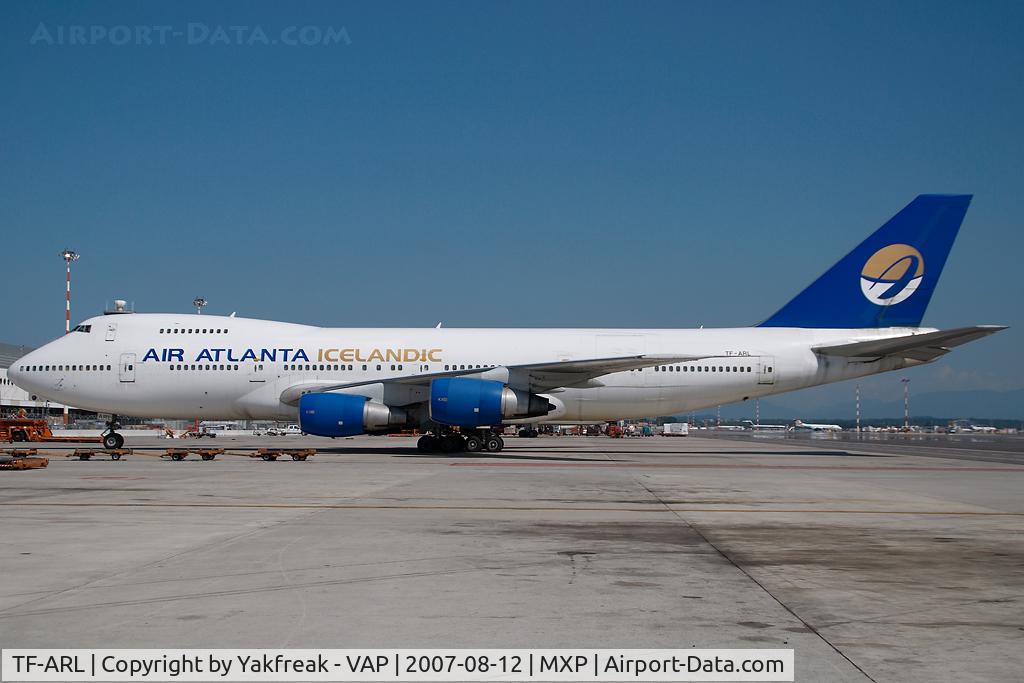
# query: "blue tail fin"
[[889, 278]]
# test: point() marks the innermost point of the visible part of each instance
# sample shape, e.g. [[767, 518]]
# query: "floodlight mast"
[[906, 404], [68, 255]]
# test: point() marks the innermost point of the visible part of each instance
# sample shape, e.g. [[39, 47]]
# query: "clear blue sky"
[[520, 164]]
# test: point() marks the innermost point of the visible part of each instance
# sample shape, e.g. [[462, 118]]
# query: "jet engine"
[[325, 414], [466, 402]]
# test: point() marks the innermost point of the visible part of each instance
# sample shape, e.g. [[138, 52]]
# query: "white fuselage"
[[211, 367]]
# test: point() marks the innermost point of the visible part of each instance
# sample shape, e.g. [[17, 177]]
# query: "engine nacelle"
[[466, 402], [325, 414]]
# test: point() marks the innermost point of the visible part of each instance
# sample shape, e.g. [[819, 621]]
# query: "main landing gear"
[[111, 439], [452, 442]]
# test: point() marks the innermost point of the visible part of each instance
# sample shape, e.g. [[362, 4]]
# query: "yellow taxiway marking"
[[653, 508]]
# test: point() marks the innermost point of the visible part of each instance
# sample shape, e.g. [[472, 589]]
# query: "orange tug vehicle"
[[23, 429]]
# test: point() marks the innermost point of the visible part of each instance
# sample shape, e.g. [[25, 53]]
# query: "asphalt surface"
[[882, 560]]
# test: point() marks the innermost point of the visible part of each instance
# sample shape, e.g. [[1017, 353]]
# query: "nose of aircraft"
[[13, 373], [20, 377]]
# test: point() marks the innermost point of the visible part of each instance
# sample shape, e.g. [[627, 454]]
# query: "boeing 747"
[[862, 317]]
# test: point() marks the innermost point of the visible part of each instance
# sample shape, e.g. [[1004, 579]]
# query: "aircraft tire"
[[427, 444], [113, 440]]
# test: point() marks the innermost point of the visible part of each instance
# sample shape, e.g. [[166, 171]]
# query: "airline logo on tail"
[[892, 274]]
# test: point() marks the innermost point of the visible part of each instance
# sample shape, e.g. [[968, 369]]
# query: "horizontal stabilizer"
[[926, 346]]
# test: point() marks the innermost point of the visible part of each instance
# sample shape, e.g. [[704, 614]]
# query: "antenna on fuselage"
[[437, 326]]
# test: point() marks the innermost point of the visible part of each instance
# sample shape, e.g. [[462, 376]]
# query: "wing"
[[926, 346], [535, 377], [541, 377]]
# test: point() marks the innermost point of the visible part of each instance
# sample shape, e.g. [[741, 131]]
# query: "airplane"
[[861, 317], [801, 426]]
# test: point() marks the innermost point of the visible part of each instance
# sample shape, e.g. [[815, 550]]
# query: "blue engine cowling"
[[325, 414], [467, 402]]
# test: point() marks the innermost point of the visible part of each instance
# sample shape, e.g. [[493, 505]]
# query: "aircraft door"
[[256, 373], [111, 331], [766, 370], [126, 368]]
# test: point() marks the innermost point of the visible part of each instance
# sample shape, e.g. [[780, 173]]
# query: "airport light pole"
[[906, 404], [199, 302], [68, 257], [858, 408]]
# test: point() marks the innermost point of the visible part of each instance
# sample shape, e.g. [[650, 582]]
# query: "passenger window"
[[378, 366], [392, 366]]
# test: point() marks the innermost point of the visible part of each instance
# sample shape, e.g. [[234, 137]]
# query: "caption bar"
[[396, 665]]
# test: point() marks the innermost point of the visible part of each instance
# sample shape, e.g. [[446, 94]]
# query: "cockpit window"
[[82, 328]]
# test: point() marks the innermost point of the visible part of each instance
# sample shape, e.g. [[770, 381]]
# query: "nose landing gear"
[[111, 439]]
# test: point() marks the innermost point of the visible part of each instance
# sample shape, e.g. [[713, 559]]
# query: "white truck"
[[290, 430], [675, 429]]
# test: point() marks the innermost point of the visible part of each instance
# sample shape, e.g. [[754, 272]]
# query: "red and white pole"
[[68, 257], [67, 302]]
